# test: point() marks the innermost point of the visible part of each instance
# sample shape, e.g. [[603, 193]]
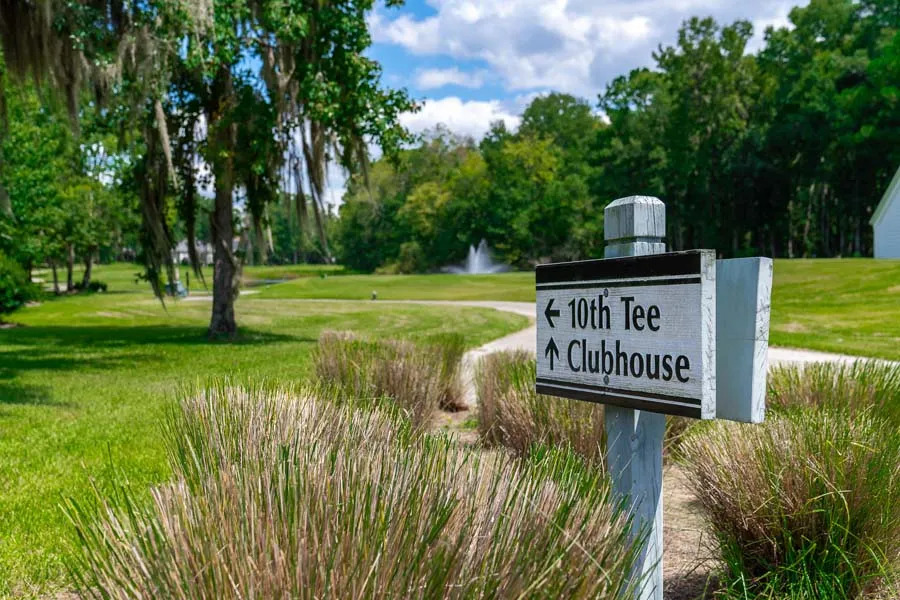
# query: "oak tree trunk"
[[226, 269], [88, 268], [55, 277], [222, 323]]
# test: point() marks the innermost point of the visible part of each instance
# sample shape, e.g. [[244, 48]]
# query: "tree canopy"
[[781, 152], [216, 120], [267, 93]]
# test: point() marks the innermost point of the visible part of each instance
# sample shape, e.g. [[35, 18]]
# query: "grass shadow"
[[106, 337], [98, 348], [19, 394], [692, 585], [20, 360]]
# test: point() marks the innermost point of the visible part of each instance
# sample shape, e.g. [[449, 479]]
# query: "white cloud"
[[429, 79], [575, 46], [777, 21], [472, 118]]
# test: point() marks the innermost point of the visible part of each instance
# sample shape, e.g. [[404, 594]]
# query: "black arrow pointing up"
[[552, 349], [550, 313]]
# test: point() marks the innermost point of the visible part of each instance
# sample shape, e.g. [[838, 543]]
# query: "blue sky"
[[475, 61]]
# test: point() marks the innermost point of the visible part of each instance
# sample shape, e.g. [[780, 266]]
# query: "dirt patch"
[[5, 325], [457, 425], [688, 560]]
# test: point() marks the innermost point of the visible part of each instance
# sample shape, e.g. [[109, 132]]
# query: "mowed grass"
[[515, 287], [124, 276], [850, 306], [85, 382]]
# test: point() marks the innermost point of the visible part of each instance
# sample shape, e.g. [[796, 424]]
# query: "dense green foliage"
[[66, 197], [522, 192], [15, 287], [784, 152]]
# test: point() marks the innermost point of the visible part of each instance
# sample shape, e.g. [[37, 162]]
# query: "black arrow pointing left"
[[550, 313]]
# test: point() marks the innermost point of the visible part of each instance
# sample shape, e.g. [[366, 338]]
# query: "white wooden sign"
[[636, 332]]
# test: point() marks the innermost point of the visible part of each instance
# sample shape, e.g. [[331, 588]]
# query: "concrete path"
[[526, 339], [201, 296]]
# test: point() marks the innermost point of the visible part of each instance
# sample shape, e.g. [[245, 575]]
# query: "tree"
[[194, 60], [62, 209], [37, 148], [15, 286], [567, 121]]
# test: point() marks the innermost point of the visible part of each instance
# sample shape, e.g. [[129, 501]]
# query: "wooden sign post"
[[648, 334]]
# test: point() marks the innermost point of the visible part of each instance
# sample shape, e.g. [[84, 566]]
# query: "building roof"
[[893, 191]]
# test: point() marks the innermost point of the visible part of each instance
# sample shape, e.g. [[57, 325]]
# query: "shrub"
[[515, 416], [93, 286], [857, 386], [805, 506], [418, 377], [277, 494], [15, 287], [450, 347]]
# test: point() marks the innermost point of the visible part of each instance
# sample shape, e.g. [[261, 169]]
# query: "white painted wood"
[[743, 298], [636, 248], [635, 438], [708, 333], [886, 221], [634, 217], [685, 328], [634, 457]]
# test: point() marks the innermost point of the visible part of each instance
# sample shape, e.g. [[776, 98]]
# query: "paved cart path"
[[526, 340]]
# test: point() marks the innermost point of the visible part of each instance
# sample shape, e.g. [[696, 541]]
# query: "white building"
[[204, 253], [886, 221]]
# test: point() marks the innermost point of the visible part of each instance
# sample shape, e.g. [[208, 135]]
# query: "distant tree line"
[[69, 202], [784, 152]]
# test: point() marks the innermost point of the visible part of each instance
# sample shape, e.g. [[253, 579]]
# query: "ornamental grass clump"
[[282, 494], [419, 377], [513, 415], [856, 386], [805, 505], [451, 347]]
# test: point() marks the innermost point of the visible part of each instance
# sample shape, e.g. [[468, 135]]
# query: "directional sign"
[[550, 313], [637, 332]]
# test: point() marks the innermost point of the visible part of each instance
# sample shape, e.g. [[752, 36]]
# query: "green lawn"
[[850, 306], [85, 381], [121, 276], [501, 286]]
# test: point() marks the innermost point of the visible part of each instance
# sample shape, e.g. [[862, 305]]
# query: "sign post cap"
[[633, 217]]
